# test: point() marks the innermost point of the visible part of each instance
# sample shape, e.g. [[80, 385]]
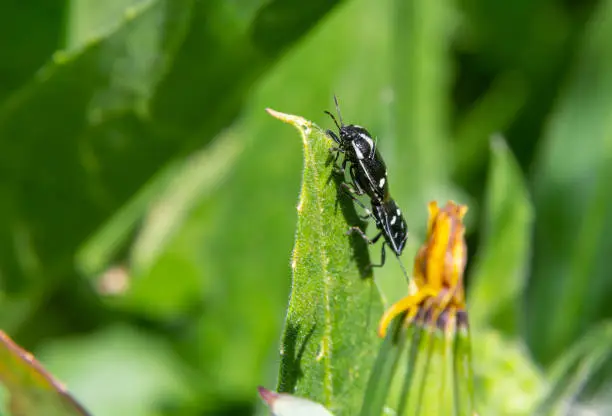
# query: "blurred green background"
[[147, 201]]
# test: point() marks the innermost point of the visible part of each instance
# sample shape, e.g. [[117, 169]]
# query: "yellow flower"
[[438, 269]]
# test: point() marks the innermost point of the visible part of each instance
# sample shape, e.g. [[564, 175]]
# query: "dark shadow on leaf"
[[290, 369], [361, 255]]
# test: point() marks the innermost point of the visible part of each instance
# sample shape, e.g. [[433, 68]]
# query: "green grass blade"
[[200, 176], [421, 79], [178, 187], [498, 280], [384, 370], [99, 250], [574, 368], [572, 198], [329, 341], [443, 377], [411, 362], [463, 372]]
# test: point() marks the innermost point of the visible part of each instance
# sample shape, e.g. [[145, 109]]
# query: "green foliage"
[[147, 203], [571, 187], [329, 339]]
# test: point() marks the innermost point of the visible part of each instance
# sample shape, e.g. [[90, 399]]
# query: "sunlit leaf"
[[329, 340]]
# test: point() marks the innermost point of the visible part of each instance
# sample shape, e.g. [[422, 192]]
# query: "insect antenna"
[[339, 115], [403, 269], [338, 110], [333, 118]]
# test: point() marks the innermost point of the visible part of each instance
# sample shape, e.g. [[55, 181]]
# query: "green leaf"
[[573, 234], [134, 96], [569, 374], [497, 282], [29, 34], [90, 19], [329, 340], [32, 390], [93, 148], [153, 259]]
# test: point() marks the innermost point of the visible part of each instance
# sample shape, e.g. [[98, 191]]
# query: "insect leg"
[[359, 189], [372, 241], [337, 151], [363, 235], [382, 252], [333, 136], [352, 193]]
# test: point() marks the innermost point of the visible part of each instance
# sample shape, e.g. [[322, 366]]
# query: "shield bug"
[[369, 176]]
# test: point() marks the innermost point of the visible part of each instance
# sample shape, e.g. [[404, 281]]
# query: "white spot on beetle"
[[398, 212], [357, 151], [368, 139], [381, 183], [393, 220]]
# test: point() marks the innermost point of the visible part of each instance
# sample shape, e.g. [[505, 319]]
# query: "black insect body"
[[392, 225], [368, 170], [369, 175]]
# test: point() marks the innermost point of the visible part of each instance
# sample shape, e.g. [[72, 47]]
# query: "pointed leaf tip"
[[297, 121]]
